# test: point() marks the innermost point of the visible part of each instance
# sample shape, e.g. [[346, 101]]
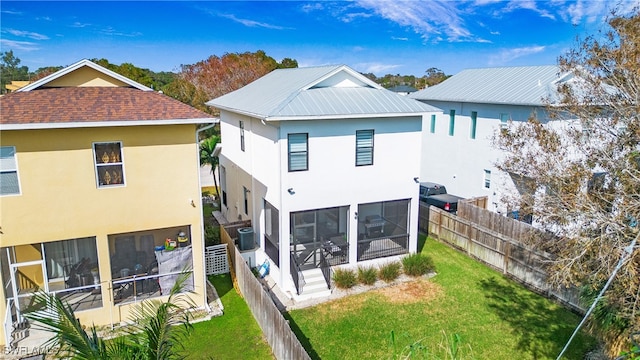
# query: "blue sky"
[[377, 36]]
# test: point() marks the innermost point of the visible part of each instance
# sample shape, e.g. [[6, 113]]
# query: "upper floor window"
[[9, 184], [432, 129], [452, 120], [245, 199], [109, 164], [364, 147], [487, 179], [241, 135], [298, 152], [474, 120], [223, 184], [504, 119]]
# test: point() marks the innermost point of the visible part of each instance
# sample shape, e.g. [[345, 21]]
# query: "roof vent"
[[539, 82]]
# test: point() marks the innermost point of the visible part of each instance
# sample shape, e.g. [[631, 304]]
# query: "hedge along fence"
[[283, 341], [499, 251]]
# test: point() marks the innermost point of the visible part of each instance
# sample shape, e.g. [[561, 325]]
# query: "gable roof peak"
[[78, 65]]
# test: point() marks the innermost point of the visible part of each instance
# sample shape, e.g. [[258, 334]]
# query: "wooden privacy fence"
[[498, 250], [283, 341]]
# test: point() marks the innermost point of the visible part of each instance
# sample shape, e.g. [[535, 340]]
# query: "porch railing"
[[25, 282], [296, 274], [383, 246], [8, 323], [326, 269]]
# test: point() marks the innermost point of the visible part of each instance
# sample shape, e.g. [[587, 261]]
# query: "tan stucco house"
[[97, 173]]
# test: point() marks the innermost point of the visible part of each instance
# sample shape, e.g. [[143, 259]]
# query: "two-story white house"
[[476, 104], [326, 164]]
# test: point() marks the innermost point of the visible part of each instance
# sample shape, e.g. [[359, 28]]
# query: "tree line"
[[195, 84]]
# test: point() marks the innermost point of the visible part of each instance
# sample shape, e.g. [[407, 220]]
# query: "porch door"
[[27, 278]]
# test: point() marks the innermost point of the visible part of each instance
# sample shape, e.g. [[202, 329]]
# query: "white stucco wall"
[[332, 179], [458, 161]]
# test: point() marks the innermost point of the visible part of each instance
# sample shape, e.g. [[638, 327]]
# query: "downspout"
[[204, 271]]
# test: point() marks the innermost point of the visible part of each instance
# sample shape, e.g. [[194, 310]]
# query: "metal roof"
[[317, 92], [524, 85]]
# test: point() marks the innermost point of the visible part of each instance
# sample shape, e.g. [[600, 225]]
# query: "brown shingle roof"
[[92, 104]]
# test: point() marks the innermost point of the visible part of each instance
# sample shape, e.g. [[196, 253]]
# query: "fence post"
[[469, 240], [439, 225], [507, 253]]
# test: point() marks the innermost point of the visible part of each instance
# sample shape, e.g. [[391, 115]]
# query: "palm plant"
[[207, 157], [157, 331]]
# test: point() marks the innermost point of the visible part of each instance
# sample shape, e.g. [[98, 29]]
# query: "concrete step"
[[315, 285]]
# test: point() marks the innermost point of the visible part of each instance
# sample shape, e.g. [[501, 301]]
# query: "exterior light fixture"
[[290, 191], [416, 179]]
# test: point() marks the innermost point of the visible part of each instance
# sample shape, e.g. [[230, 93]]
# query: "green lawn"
[[494, 317], [234, 335]]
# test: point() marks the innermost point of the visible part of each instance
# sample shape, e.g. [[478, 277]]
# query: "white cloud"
[[507, 55], [400, 38], [376, 68], [312, 7], [113, 32], [78, 24], [11, 12], [528, 5], [590, 11], [251, 23], [432, 20], [19, 45], [347, 18], [28, 34]]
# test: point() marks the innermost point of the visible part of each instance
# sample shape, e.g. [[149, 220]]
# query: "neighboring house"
[[97, 171], [477, 103], [325, 164], [15, 85], [403, 89]]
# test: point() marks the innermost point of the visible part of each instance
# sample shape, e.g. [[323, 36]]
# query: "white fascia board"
[[241, 112], [476, 101], [94, 124], [346, 116], [79, 64]]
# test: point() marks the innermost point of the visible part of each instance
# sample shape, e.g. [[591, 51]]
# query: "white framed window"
[[241, 135], [223, 184], [109, 164], [474, 123], [432, 128], [452, 121], [298, 152], [487, 179], [364, 147], [504, 120], [9, 181]]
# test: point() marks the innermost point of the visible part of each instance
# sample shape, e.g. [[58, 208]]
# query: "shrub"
[[211, 234], [344, 278], [390, 271], [367, 276], [417, 264]]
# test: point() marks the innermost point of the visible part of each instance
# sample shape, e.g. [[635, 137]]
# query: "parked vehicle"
[[436, 195]]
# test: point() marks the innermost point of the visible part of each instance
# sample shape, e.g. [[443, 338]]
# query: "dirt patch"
[[411, 292], [337, 308]]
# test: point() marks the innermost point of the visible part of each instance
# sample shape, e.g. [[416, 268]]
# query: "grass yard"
[[234, 335], [495, 318]]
